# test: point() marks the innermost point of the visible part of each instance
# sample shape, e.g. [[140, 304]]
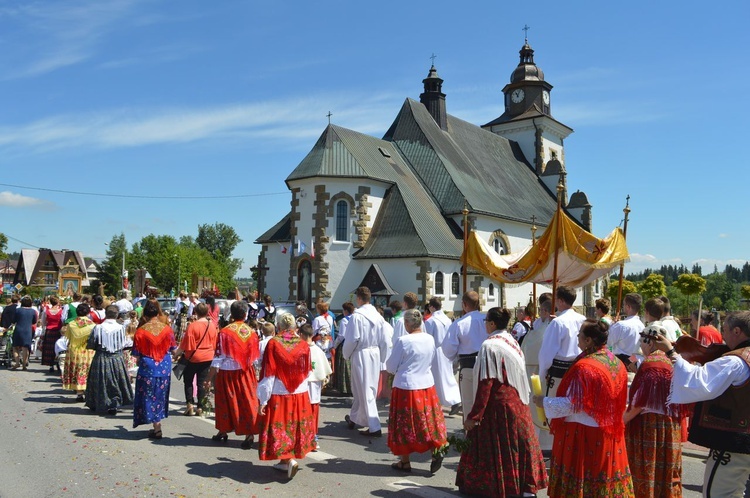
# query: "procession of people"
[[616, 397]]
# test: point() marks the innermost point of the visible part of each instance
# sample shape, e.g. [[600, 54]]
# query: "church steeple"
[[433, 98]]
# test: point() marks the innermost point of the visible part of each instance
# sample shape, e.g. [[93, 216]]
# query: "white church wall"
[[277, 276]]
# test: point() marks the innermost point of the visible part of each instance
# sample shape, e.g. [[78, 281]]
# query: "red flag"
[[283, 249], [312, 247]]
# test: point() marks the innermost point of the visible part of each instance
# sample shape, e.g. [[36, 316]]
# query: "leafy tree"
[[220, 240], [612, 291], [653, 286], [690, 284], [745, 293], [111, 269], [721, 292], [3, 245]]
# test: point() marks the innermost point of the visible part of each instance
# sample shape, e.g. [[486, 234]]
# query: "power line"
[[126, 196], [21, 241]]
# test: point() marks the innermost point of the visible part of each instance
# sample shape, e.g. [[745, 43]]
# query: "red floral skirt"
[[416, 422], [588, 462], [655, 455], [287, 430], [315, 407], [503, 457], [236, 402]]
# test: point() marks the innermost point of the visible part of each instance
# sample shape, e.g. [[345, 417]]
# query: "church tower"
[[433, 98], [528, 116]]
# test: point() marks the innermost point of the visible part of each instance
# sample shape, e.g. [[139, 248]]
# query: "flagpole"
[[533, 284], [466, 242], [626, 210], [560, 189]]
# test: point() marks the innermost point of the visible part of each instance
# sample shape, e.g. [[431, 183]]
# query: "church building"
[[388, 213]]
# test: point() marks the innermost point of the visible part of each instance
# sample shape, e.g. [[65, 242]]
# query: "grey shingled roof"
[[467, 162], [532, 112], [409, 225], [280, 232]]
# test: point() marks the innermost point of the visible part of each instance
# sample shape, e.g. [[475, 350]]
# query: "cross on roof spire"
[[329, 117], [433, 57], [525, 30]]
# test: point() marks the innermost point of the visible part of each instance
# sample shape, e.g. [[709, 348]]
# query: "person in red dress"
[[287, 425], [706, 333], [235, 383], [653, 427], [415, 422], [589, 457], [503, 457]]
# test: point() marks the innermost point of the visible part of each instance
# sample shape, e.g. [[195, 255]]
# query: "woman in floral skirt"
[[503, 457], [416, 422], [287, 425], [152, 343], [78, 358]]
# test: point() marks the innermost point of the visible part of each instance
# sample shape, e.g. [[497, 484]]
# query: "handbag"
[[182, 363]]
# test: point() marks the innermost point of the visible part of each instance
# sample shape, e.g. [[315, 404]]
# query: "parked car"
[[168, 305]]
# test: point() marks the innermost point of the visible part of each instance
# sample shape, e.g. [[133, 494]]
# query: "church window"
[[454, 284], [492, 290], [499, 245], [439, 283], [342, 221]]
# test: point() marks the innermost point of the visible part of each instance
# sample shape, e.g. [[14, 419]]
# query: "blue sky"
[[213, 100]]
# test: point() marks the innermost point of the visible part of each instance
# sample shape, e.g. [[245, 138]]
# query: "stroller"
[[6, 347]]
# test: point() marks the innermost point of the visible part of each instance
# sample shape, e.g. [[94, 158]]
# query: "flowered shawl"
[[501, 358], [154, 340], [240, 342], [287, 358], [597, 384]]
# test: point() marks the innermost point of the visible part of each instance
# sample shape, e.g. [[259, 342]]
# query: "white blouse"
[[411, 361]]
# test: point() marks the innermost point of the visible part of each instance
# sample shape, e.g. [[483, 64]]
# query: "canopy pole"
[[560, 188], [533, 284], [626, 210], [466, 244]]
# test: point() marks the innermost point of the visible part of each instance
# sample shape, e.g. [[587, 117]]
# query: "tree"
[[690, 284], [745, 293], [220, 240], [3, 245], [111, 271], [653, 286], [628, 287], [720, 292]]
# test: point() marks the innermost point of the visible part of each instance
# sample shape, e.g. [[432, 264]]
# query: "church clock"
[[545, 97], [517, 95]]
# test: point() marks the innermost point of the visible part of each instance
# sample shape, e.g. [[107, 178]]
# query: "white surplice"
[[442, 368]]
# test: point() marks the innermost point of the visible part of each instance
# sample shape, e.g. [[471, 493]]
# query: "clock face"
[[545, 97], [517, 95]]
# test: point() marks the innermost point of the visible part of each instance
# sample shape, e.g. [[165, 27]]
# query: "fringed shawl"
[[500, 358], [650, 387], [239, 342], [288, 359], [154, 339], [597, 384], [109, 336]]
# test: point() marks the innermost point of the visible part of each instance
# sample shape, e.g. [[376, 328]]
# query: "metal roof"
[[280, 232], [469, 163]]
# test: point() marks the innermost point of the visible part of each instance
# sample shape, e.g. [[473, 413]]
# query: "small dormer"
[[580, 208]]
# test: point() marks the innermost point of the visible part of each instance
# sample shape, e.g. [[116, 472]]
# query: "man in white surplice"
[[442, 368], [365, 344]]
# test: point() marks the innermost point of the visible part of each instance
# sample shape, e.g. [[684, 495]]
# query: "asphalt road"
[[54, 446]]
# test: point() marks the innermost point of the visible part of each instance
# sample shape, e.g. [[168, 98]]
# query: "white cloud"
[[282, 120], [723, 235], [13, 200], [53, 35], [604, 113]]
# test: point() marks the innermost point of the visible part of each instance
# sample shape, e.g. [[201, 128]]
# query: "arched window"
[[492, 290], [304, 284], [455, 284], [499, 246], [439, 283], [342, 221]]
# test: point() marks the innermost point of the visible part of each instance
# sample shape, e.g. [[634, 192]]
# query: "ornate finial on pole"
[[433, 57], [625, 210], [329, 117], [525, 30], [533, 229]]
